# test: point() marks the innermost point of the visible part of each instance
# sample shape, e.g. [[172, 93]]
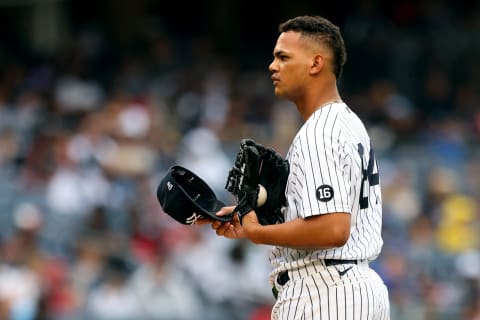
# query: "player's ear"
[[317, 65]]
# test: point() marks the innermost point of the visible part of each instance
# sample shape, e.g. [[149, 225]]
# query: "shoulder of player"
[[340, 128], [326, 121]]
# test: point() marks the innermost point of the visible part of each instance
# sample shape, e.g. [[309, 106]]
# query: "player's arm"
[[316, 232]]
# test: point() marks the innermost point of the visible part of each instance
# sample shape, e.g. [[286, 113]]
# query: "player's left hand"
[[257, 168]]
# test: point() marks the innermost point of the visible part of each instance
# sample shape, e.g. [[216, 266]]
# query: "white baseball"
[[262, 196]]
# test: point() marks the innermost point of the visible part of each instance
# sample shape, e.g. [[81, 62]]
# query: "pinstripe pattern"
[[331, 152], [359, 294]]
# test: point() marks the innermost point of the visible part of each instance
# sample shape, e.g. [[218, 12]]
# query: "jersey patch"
[[324, 193]]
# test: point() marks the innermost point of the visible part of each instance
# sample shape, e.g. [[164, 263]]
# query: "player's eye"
[[280, 56]]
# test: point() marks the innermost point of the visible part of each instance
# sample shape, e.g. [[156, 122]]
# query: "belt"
[[283, 278], [334, 262]]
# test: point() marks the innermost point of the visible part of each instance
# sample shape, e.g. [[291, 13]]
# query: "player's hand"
[[232, 229], [250, 223]]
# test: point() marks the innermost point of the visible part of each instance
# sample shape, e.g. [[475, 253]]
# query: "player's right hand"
[[232, 229]]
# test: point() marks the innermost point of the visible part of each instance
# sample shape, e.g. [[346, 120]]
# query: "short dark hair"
[[323, 31]]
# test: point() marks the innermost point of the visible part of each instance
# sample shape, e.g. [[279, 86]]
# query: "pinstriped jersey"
[[333, 169]]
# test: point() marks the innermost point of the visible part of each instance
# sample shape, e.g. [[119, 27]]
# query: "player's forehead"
[[287, 41], [291, 41]]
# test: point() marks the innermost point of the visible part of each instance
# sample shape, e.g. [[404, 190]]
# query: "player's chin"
[[278, 92], [281, 92]]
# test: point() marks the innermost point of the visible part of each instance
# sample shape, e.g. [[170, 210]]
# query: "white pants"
[[334, 293]]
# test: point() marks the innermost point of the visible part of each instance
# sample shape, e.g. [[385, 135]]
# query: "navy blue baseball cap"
[[187, 198]]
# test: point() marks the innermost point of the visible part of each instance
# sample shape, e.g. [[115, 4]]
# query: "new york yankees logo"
[[193, 218]]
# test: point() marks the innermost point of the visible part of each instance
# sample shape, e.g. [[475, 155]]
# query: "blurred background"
[[99, 98]]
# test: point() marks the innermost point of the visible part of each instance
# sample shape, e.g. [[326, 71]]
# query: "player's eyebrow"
[[277, 53]]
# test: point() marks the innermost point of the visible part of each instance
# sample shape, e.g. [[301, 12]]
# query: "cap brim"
[[212, 212]]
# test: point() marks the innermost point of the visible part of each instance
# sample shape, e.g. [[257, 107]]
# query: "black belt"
[[283, 277], [334, 262]]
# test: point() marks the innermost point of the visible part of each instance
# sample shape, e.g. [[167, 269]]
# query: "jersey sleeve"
[[326, 174]]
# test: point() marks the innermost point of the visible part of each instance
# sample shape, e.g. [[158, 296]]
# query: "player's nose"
[[272, 67]]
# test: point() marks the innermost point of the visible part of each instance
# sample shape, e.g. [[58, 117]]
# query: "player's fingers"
[[236, 221], [204, 221], [225, 211], [222, 228], [219, 225]]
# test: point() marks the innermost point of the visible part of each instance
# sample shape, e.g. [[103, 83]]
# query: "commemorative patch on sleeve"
[[324, 193]]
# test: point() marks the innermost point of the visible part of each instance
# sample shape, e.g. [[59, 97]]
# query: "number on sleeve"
[[367, 173]]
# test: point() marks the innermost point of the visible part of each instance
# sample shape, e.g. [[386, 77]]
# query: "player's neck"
[[317, 98]]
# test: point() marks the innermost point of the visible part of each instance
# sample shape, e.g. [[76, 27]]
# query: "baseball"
[[262, 196]]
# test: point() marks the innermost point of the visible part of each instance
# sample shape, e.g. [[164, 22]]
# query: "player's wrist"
[[252, 227]]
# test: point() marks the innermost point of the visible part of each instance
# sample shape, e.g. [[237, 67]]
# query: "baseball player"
[[333, 216]]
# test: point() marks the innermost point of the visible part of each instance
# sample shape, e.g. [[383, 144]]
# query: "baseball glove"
[[258, 169]]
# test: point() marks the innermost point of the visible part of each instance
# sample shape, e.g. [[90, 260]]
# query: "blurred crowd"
[[86, 136]]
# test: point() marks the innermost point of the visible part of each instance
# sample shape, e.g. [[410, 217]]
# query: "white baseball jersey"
[[332, 169]]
